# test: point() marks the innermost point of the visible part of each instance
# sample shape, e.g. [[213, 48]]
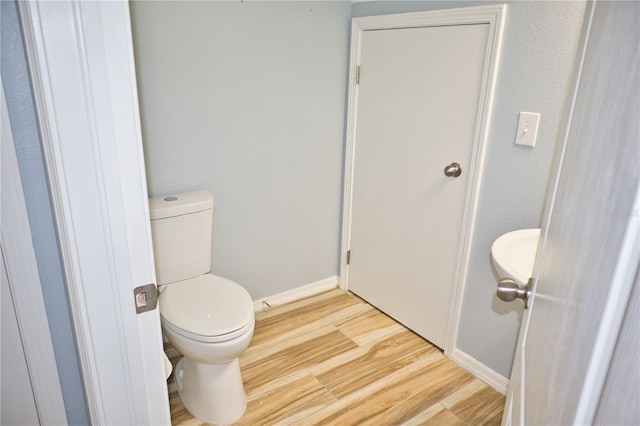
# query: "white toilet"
[[209, 319]]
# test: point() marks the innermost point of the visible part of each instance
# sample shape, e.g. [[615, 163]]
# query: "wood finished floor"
[[333, 359]]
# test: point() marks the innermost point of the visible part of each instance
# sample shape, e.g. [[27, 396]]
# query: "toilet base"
[[213, 393]]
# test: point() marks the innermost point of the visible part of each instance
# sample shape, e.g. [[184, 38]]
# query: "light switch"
[[528, 128]]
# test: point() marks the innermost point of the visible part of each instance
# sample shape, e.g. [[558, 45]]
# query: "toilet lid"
[[206, 305]]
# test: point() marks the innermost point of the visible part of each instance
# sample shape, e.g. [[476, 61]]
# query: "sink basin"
[[514, 253]]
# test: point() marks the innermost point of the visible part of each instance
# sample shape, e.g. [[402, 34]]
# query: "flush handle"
[[509, 290], [453, 170]]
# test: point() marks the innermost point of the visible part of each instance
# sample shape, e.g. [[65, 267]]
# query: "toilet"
[[207, 318]]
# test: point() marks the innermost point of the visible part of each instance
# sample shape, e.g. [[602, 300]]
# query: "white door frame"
[[24, 283], [80, 57], [493, 15]]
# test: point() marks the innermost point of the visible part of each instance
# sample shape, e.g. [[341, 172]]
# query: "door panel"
[[417, 111], [18, 406], [591, 252]]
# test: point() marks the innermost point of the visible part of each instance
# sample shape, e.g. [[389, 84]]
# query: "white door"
[[418, 103], [30, 385], [592, 246], [82, 70], [17, 402]]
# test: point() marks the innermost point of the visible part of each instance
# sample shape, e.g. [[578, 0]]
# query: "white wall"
[[247, 100], [539, 49]]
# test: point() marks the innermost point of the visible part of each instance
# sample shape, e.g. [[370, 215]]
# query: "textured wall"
[[538, 52], [25, 132], [247, 100]]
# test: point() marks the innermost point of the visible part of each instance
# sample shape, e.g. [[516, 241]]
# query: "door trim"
[[493, 15], [80, 58]]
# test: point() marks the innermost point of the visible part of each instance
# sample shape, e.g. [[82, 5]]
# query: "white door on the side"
[[417, 112], [591, 251], [82, 68], [18, 405]]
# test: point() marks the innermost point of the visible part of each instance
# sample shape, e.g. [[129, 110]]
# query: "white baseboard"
[[481, 371], [296, 293]]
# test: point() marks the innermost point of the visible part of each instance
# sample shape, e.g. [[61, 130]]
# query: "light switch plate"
[[527, 128]]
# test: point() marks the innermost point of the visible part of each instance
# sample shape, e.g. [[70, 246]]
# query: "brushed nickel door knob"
[[509, 290], [453, 170]]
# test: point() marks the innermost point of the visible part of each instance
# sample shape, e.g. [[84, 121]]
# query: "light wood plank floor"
[[333, 359]]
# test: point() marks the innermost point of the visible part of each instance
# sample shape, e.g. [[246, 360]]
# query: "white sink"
[[514, 253]]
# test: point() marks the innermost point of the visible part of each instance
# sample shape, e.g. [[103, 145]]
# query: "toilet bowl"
[[209, 319]]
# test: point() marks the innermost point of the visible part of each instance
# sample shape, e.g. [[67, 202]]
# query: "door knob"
[[453, 170], [509, 290]]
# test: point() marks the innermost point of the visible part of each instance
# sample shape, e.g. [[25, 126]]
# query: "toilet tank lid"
[[179, 204]]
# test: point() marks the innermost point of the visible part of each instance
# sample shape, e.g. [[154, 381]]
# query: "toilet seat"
[[206, 308], [206, 339]]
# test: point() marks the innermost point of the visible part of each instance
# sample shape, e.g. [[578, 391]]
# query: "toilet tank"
[[181, 230]]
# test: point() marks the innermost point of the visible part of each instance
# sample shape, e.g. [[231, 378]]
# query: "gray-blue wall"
[[247, 100], [25, 132]]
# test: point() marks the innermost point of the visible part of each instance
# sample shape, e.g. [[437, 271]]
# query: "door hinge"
[[348, 257], [145, 297], [358, 74]]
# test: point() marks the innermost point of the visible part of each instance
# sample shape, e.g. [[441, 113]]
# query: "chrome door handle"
[[453, 170], [509, 290]]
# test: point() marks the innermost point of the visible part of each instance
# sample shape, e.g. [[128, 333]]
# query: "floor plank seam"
[[333, 359], [323, 385]]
